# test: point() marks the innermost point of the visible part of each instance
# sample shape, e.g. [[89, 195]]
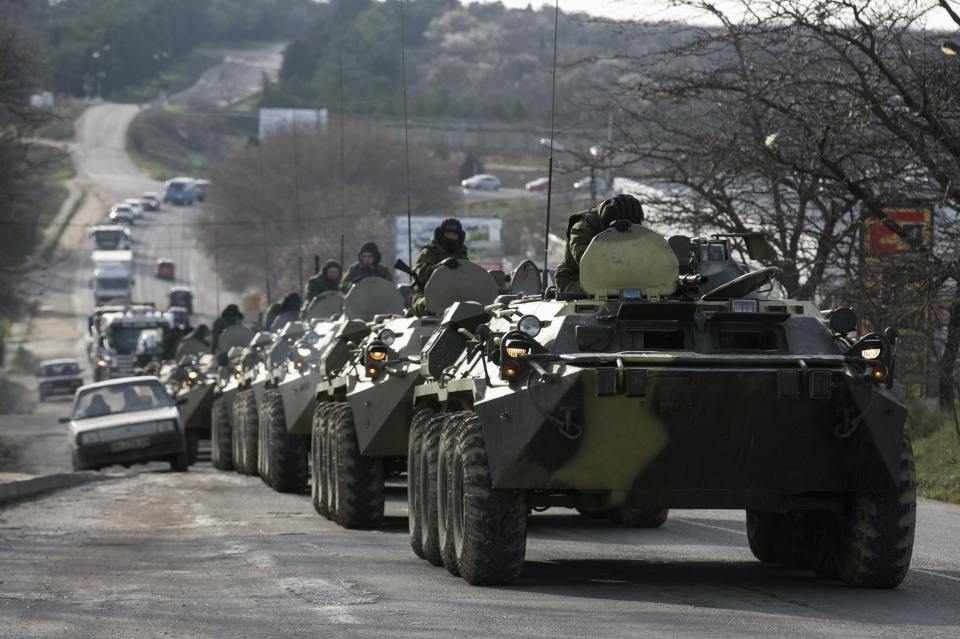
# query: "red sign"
[[917, 222]]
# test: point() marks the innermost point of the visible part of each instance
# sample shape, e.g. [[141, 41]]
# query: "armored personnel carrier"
[[362, 425], [226, 377], [661, 388]]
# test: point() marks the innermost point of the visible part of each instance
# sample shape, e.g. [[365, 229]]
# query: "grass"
[[936, 446], [23, 362], [55, 240], [172, 142], [182, 74], [53, 167], [60, 127], [11, 396]]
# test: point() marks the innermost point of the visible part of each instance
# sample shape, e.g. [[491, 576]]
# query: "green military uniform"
[[198, 334], [359, 271], [321, 283], [437, 250], [230, 316], [586, 225]]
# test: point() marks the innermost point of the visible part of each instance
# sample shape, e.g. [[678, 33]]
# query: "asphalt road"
[[211, 554]]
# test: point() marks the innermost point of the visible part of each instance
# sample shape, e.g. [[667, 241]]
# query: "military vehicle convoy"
[[676, 381], [363, 414]]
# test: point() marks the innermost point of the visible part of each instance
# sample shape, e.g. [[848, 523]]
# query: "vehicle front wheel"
[[876, 533], [180, 463], [319, 491], [427, 489], [221, 435], [248, 433], [489, 525], [359, 479], [285, 455], [414, 440]]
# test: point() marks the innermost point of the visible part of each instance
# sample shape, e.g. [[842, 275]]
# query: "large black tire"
[[427, 489], [328, 469], [249, 432], [489, 525], [180, 463], [639, 517], [446, 449], [358, 479], [762, 532], [319, 491], [414, 439], [284, 455], [193, 446], [875, 544], [237, 434], [221, 436]]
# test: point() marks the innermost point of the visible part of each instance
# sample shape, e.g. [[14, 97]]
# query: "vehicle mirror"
[[63, 420], [182, 400], [843, 320]]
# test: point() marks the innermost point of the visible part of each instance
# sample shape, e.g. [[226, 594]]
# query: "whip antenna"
[[406, 130], [296, 192], [553, 116], [340, 92]]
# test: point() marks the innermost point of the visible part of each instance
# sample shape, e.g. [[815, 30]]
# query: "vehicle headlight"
[[530, 325], [871, 353], [744, 306], [304, 350], [167, 426], [193, 375], [516, 349], [377, 354], [103, 363], [387, 336], [91, 437]]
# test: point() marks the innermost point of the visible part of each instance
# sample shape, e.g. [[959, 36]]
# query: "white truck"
[[110, 237], [112, 276]]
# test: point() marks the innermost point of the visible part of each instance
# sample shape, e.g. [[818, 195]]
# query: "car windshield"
[[122, 209], [175, 187], [108, 239], [124, 339], [180, 298], [121, 398], [112, 283], [64, 368]]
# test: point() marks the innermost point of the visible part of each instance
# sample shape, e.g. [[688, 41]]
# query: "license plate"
[[129, 444]]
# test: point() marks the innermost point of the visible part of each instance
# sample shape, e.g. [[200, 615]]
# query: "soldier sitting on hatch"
[[584, 226], [447, 242], [368, 266], [328, 279], [230, 316]]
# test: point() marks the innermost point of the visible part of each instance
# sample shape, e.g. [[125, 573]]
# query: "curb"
[[21, 488]]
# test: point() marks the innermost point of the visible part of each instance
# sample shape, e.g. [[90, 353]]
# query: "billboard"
[[917, 221], [484, 237], [273, 119]]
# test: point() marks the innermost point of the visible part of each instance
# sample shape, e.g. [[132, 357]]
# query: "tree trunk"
[[948, 359]]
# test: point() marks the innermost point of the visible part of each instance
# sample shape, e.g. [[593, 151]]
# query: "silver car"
[[132, 420]]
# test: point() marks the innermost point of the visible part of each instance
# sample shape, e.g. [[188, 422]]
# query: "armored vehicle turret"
[[662, 387]]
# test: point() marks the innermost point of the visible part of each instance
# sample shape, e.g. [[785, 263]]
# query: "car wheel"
[[180, 463]]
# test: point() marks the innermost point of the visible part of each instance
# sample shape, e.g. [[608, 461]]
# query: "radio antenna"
[[406, 130], [340, 92], [296, 199], [553, 116]]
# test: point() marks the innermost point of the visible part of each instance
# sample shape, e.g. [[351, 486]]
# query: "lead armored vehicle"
[[363, 415], [660, 388], [225, 383]]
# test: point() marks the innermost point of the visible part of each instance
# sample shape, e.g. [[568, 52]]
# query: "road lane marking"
[[711, 526], [935, 574]]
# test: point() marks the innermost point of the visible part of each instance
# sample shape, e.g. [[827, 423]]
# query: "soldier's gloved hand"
[[450, 262], [622, 207]]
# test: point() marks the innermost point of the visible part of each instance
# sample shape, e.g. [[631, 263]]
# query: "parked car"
[[131, 420], [482, 182], [58, 377], [165, 269], [180, 296], [202, 188], [135, 206], [121, 214], [583, 185], [537, 185], [181, 191], [150, 201]]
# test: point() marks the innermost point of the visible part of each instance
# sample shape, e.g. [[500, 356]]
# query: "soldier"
[[199, 334], [289, 311], [584, 226], [230, 316], [447, 242], [368, 265], [328, 279]]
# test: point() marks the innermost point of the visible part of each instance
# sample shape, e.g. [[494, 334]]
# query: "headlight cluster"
[[870, 356], [167, 426], [376, 357], [387, 337]]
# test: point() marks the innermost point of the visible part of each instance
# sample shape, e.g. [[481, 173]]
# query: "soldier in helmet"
[[446, 243], [230, 316], [367, 265], [584, 226], [327, 279]]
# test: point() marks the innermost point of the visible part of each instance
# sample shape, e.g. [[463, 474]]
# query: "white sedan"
[[132, 420], [135, 207], [482, 182]]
